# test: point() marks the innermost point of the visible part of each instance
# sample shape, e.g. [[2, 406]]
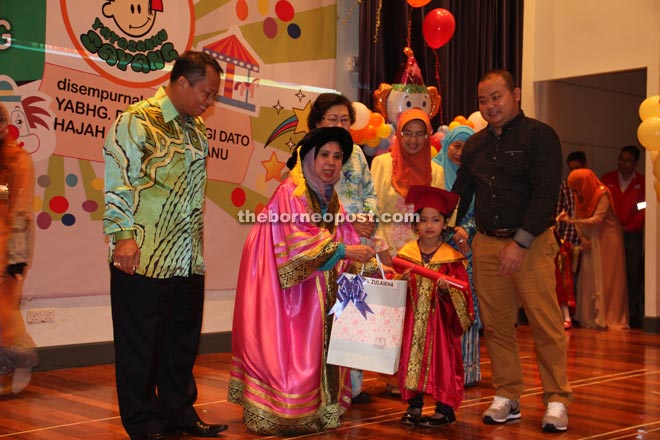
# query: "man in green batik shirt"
[[155, 179]]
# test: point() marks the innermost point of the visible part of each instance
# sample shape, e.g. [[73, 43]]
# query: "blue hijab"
[[460, 133]]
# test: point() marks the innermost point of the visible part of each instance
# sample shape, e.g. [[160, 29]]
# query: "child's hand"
[[443, 285], [405, 275]]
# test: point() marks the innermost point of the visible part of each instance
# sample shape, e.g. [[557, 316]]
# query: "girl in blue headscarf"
[[449, 158]]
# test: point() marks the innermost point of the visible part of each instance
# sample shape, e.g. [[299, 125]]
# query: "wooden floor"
[[615, 377]]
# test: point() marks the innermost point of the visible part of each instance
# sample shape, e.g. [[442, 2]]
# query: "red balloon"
[[438, 27]]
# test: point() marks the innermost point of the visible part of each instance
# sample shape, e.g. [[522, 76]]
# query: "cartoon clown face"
[[393, 99], [134, 17], [408, 92]]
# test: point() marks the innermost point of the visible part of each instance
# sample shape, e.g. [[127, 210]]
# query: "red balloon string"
[[378, 11], [437, 79], [408, 38]]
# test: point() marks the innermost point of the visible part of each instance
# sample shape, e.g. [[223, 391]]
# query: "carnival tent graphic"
[[231, 51]]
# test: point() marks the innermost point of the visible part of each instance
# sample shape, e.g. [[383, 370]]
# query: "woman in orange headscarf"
[[602, 295], [408, 163]]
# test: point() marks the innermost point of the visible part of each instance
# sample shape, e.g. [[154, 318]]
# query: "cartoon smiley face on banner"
[[130, 42]]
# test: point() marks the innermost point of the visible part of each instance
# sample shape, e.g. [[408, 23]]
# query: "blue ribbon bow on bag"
[[350, 289]]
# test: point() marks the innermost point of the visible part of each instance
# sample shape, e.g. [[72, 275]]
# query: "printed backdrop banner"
[[68, 68]]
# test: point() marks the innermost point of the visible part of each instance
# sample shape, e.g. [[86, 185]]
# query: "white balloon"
[[362, 115], [478, 121]]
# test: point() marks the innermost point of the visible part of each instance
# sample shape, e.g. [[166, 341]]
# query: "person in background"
[[512, 168], [355, 187], [568, 235], [628, 189], [408, 163], [602, 293], [17, 354], [287, 283], [437, 313], [155, 182], [449, 158]]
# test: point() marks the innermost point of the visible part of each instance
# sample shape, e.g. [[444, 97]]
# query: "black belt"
[[499, 233]]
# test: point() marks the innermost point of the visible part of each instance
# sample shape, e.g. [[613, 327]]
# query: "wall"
[[567, 38], [597, 114]]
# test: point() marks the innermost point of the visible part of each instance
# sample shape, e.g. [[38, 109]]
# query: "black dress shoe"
[[152, 436], [437, 420], [363, 397], [201, 429], [410, 419]]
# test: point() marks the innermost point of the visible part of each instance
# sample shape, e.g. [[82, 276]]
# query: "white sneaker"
[[21, 379], [501, 410], [555, 418]]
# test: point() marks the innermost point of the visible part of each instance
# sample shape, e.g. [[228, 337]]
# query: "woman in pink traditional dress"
[[602, 295], [437, 314], [287, 283]]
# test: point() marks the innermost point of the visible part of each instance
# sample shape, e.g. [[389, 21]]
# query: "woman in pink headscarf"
[[602, 298]]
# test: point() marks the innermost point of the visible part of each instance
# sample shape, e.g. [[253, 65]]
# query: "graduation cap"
[[421, 197]]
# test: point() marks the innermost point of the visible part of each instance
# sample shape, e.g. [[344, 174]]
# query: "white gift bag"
[[368, 325]]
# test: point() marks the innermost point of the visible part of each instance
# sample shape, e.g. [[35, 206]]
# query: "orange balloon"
[[418, 3], [370, 132], [376, 119], [461, 119], [357, 136]]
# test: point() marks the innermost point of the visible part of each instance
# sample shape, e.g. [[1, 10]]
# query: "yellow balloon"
[[434, 152], [648, 133], [656, 168], [454, 124], [373, 142], [649, 107], [384, 131]]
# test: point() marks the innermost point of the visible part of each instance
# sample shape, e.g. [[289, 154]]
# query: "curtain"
[[488, 35]]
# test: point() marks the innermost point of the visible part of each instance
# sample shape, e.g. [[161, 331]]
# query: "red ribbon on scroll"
[[400, 265]]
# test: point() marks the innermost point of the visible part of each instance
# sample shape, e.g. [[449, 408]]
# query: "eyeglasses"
[[410, 135], [334, 119]]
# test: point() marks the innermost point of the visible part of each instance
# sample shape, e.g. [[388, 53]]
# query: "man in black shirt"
[[513, 168]]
